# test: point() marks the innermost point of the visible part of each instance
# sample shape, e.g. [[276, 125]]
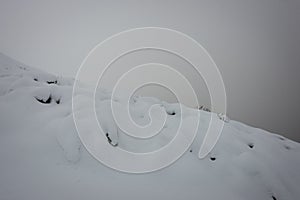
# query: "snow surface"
[[41, 156]]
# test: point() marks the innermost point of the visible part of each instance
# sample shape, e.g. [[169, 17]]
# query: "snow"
[[41, 156]]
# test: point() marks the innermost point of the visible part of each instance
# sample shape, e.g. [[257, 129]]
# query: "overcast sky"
[[256, 45]]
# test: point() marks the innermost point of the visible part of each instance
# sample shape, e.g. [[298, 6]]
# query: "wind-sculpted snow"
[[41, 156]]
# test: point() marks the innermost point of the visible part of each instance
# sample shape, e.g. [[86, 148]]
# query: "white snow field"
[[42, 158]]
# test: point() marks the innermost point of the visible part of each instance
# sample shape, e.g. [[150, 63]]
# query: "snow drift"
[[41, 156]]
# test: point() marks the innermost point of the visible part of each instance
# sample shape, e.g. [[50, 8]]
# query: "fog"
[[255, 44]]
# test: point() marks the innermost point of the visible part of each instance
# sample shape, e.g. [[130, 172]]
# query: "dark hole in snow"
[[251, 146], [52, 82], [110, 141], [58, 101], [212, 158], [274, 198], [191, 150], [171, 113], [23, 68], [204, 109], [44, 101], [35, 79], [287, 147], [108, 138]]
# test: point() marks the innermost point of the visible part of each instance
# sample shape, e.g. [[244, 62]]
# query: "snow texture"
[[41, 156]]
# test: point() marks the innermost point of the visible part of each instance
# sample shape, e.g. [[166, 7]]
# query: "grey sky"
[[256, 45]]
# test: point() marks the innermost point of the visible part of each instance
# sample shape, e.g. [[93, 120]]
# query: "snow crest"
[[43, 158]]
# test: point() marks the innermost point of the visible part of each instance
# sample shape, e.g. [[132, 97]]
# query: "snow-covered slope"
[[41, 156]]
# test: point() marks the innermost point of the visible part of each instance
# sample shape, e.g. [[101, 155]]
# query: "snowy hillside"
[[41, 156]]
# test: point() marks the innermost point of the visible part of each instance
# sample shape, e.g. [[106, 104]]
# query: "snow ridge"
[[43, 158]]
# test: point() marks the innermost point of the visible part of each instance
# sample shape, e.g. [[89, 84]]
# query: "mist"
[[255, 45]]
